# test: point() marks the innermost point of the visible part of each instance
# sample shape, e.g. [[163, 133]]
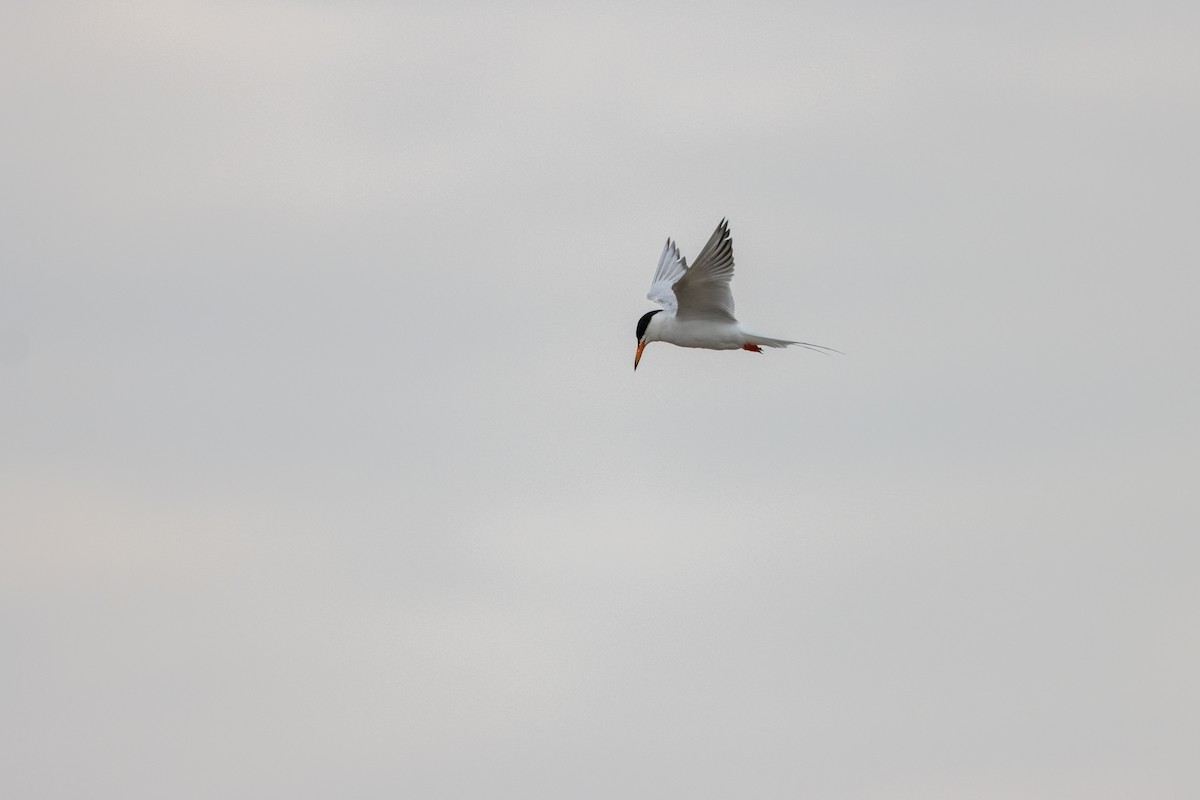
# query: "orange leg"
[[753, 348]]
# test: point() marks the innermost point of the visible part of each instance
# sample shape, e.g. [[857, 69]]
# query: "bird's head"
[[643, 339]]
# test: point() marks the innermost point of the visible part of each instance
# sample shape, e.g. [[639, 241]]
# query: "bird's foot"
[[753, 348]]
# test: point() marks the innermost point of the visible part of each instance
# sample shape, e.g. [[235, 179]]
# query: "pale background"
[[324, 471]]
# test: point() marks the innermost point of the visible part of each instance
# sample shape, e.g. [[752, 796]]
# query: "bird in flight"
[[697, 304]]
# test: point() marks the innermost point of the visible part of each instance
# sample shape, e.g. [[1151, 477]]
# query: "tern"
[[697, 304]]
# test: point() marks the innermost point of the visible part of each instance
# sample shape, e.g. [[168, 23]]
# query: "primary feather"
[[671, 267], [703, 292]]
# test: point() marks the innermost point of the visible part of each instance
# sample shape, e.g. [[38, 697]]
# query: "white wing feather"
[[671, 267], [702, 292]]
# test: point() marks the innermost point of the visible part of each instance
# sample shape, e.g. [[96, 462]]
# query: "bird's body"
[[697, 303], [707, 334]]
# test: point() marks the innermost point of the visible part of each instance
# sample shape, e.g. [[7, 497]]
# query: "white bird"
[[697, 304]]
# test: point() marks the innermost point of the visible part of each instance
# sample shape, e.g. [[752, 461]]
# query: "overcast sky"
[[324, 471]]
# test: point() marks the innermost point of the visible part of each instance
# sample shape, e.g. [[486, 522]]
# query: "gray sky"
[[324, 470]]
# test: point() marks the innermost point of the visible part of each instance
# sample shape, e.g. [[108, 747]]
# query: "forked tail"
[[753, 340]]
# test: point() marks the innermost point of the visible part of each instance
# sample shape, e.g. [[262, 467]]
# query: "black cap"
[[644, 322]]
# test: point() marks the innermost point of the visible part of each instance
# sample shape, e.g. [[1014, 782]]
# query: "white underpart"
[[711, 335]]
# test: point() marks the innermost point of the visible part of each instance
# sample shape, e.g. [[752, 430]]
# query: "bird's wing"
[[671, 267], [703, 291]]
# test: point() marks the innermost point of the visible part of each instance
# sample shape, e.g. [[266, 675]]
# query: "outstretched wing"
[[671, 267], [703, 291]]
